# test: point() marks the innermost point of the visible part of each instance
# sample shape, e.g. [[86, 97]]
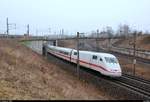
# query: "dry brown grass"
[[142, 42]]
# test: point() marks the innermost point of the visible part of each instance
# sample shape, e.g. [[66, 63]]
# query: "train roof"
[[61, 48], [87, 52], [98, 53]]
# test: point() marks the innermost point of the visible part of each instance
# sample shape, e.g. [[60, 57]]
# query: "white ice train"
[[106, 64]]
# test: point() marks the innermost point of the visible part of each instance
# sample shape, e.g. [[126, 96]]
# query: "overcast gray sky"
[[74, 15]]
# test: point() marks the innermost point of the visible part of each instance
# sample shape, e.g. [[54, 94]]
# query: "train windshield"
[[111, 60]]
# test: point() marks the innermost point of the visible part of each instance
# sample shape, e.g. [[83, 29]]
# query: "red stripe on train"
[[82, 61]]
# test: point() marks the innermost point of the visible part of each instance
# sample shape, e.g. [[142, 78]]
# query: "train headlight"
[[114, 70]]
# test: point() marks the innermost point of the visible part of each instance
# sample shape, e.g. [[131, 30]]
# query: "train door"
[[71, 55], [74, 56], [94, 62], [43, 50]]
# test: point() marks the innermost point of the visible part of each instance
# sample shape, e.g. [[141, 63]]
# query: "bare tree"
[[109, 31], [124, 30]]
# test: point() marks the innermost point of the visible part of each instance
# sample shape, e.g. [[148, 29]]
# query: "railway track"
[[143, 93], [139, 59], [136, 84], [132, 49], [133, 84], [137, 78]]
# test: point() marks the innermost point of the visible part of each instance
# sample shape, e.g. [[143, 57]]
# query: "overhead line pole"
[[28, 30], [78, 66], [7, 26], [49, 30], [97, 45], [134, 57], [78, 55]]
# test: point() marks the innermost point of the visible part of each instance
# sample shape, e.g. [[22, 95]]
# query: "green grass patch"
[[26, 43]]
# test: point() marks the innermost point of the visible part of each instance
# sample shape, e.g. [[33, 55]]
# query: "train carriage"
[[105, 63], [63, 53]]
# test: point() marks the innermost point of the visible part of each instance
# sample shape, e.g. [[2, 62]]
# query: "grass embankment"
[[26, 75], [26, 43]]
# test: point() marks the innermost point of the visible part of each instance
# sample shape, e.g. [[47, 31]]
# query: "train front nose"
[[115, 73]]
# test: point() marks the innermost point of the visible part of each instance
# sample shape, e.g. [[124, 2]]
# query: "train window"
[[60, 51], [75, 53], [101, 59], [66, 53], [111, 60], [94, 57]]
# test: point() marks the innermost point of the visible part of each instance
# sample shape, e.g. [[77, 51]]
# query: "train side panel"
[[83, 58], [87, 60], [61, 53], [95, 63], [74, 56]]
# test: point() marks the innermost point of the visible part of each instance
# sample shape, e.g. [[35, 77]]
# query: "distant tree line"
[[122, 31]]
